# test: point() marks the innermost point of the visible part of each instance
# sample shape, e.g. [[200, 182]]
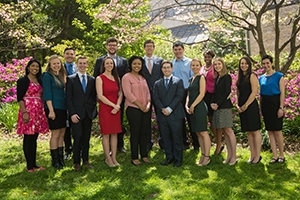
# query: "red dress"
[[35, 108], [109, 123]]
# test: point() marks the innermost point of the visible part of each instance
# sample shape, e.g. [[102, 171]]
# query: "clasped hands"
[[214, 106], [242, 108], [115, 109]]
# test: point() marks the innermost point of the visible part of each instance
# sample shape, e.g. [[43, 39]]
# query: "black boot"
[[61, 156], [55, 161]]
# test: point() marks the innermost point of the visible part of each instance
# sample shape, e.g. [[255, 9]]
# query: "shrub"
[[9, 115]]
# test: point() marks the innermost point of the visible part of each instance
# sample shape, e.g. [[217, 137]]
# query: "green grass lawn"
[[148, 181]]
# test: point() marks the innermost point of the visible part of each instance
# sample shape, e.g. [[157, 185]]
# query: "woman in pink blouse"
[[137, 105], [208, 71]]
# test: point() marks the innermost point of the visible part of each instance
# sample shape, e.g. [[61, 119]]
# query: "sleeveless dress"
[[250, 118], [198, 118], [35, 108], [109, 123]]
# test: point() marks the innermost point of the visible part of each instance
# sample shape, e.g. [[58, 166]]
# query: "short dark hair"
[[69, 48], [267, 57], [111, 39], [130, 61], [178, 44], [149, 42], [32, 60], [166, 62], [209, 52]]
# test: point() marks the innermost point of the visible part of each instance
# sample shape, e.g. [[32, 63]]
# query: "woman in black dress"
[[247, 106], [197, 109]]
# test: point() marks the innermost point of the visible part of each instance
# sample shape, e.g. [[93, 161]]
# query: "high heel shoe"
[[221, 149], [109, 164], [257, 161], [204, 164], [233, 163]]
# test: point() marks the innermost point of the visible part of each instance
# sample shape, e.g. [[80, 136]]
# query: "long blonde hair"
[[224, 69], [62, 76]]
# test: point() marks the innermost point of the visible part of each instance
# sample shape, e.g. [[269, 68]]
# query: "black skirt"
[[269, 108], [59, 121]]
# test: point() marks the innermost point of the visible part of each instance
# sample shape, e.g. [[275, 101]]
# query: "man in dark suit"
[[152, 73], [122, 68], [167, 95], [71, 68], [81, 104]]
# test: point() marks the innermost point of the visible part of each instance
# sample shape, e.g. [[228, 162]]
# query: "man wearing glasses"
[[122, 66]]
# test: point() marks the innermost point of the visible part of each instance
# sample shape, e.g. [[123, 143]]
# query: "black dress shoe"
[[166, 162], [122, 150], [177, 163]]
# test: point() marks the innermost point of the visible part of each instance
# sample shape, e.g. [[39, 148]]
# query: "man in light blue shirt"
[[181, 69]]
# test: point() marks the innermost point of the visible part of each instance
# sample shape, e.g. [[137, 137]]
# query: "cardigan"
[[22, 86]]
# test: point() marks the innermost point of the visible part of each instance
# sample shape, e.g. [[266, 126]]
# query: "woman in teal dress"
[[197, 109]]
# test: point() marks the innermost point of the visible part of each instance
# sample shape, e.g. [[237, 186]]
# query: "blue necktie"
[[83, 83], [167, 83], [70, 69]]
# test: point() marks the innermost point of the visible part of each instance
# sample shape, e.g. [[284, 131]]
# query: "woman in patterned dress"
[[31, 118]]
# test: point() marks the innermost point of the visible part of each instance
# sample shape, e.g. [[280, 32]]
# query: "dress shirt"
[[170, 77], [114, 57], [147, 60], [181, 69], [80, 77]]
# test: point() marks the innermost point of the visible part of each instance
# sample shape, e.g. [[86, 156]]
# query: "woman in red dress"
[[31, 118], [109, 93]]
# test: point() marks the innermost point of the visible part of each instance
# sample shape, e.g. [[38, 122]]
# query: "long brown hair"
[[114, 71], [62, 76], [248, 72]]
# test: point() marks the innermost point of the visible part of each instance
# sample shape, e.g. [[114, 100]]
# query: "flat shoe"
[[30, 170], [39, 168], [281, 160], [135, 163], [146, 160], [274, 160]]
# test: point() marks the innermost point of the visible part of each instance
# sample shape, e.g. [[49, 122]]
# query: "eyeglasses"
[[112, 45], [149, 46]]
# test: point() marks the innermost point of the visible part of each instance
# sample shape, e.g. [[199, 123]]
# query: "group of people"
[[63, 99]]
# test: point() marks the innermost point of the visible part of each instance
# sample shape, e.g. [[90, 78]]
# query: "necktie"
[[83, 83], [167, 82], [149, 65], [70, 69]]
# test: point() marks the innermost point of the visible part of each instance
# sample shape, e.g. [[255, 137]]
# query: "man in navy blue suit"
[[152, 73], [122, 68], [71, 68], [167, 95], [81, 104]]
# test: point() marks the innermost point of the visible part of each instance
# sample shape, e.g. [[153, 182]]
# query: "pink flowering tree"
[[9, 74]]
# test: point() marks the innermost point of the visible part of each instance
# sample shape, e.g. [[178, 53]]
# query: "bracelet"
[[281, 108]]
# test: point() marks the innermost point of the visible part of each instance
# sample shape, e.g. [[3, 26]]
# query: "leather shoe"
[[121, 150], [177, 163], [76, 167], [166, 162], [88, 165]]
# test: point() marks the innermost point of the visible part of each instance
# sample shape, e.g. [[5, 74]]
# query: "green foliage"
[[9, 115], [291, 126], [127, 182]]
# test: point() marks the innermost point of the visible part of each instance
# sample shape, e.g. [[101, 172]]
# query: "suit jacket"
[[156, 72], [122, 66], [170, 97], [222, 92], [78, 102]]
